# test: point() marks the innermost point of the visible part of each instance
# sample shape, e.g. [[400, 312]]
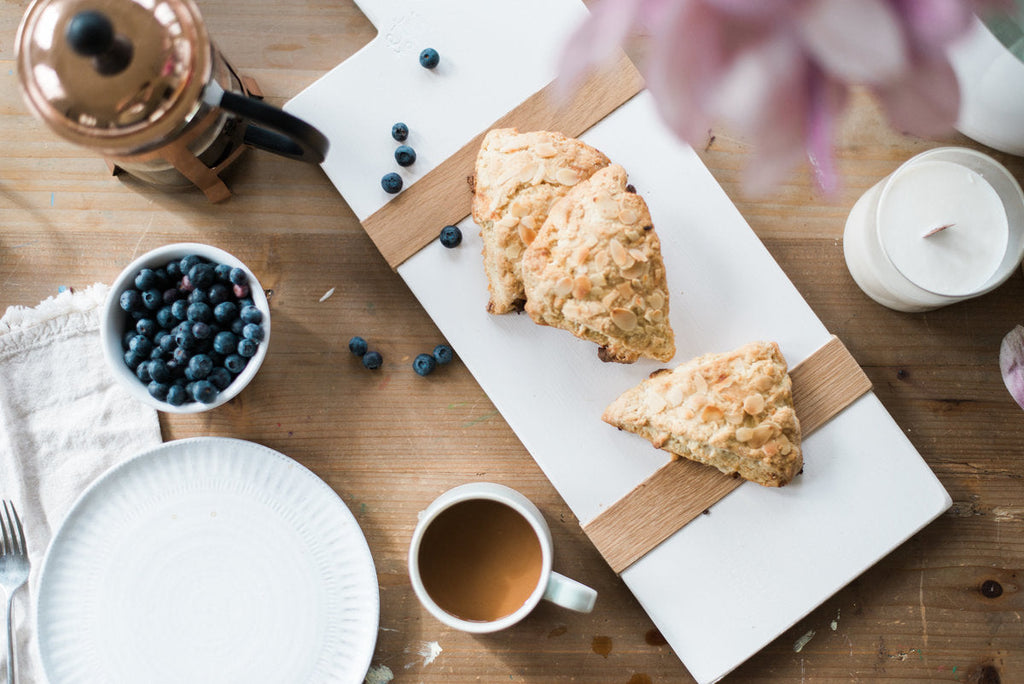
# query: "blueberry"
[[168, 343], [187, 262], [199, 366], [126, 339], [357, 345], [201, 330], [157, 353], [133, 358], [247, 347], [424, 364], [225, 342], [147, 327], [204, 392], [400, 132], [443, 354], [245, 301], [250, 314], [405, 155], [153, 299], [391, 183], [451, 236], [237, 326], [185, 285], [235, 363], [429, 58], [171, 294], [185, 339], [373, 360], [202, 275], [197, 295], [159, 371], [142, 371], [176, 395], [200, 311], [254, 331], [223, 273], [218, 294], [146, 279], [158, 390], [238, 276], [179, 309], [225, 312], [173, 269], [220, 377], [180, 356], [131, 300], [141, 345], [241, 291]]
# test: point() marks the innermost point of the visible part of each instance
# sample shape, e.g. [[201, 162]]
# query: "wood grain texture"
[[389, 442], [414, 217], [824, 384]]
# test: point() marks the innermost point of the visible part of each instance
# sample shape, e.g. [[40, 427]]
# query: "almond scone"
[[732, 410], [595, 269], [518, 177]]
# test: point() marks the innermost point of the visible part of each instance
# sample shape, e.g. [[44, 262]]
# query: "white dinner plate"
[[208, 560]]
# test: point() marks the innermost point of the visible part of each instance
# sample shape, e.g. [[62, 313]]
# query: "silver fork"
[[13, 571]]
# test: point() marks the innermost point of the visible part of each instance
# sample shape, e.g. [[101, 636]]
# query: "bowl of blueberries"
[[185, 327]]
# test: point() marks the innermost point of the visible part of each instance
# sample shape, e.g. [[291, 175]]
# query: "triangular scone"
[[733, 411], [518, 177], [595, 269]]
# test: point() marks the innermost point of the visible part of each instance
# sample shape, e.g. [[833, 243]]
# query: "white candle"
[[945, 226], [967, 214]]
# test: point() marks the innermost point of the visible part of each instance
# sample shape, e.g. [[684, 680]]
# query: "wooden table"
[[946, 606]]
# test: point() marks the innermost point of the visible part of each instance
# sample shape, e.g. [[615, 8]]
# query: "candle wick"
[[938, 229]]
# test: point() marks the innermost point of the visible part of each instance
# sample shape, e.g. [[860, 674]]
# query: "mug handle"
[[568, 593], [270, 128]]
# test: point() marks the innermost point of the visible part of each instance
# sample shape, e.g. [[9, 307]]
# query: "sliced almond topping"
[[567, 176], [700, 384], [608, 207], [638, 254], [624, 319], [581, 287], [619, 254], [743, 434], [784, 445], [711, 414], [655, 403], [545, 150], [674, 395], [571, 310], [634, 270], [579, 256], [563, 287], [760, 435], [628, 216], [771, 448], [697, 401], [519, 208], [529, 221], [625, 290], [598, 279], [763, 383], [654, 315], [753, 404], [609, 299], [526, 234], [528, 172], [602, 258], [734, 417], [507, 222], [656, 300]]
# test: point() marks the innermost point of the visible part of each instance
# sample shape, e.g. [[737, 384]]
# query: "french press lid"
[[119, 76]]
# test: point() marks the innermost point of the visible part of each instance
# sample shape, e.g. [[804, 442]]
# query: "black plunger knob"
[[90, 33]]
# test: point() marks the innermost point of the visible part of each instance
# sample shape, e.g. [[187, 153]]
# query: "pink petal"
[[597, 38], [1011, 363], [858, 41], [934, 23], [826, 101], [926, 101], [757, 9]]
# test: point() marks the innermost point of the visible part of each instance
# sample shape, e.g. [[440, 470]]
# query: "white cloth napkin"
[[63, 422]]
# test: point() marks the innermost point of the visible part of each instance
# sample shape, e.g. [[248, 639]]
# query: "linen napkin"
[[63, 422]]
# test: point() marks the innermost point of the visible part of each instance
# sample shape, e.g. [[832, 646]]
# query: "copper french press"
[[141, 83]]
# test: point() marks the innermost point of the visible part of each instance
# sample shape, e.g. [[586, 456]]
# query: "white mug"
[[480, 527]]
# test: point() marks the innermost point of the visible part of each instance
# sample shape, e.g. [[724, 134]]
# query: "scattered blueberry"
[[247, 347], [237, 276], [142, 372], [223, 272], [254, 331], [400, 132], [202, 275], [179, 309], [200, 311], [357, 345], [405, 155], [159, 371], [373, 360], [250, 314], [221, 377], [225, 342], [131, 300], [199, 366], [235, 363], [219, 293], [202, 331], [443, 354], [451, 236], [187, 262], [204, 392], [177, 395], [146, 279], [391, 183], [424, 364], [429, 58], [158, 390], [225, 312], [197, 296]]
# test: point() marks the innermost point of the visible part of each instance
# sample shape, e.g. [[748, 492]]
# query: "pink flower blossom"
[[778, 72], [1011, 363]]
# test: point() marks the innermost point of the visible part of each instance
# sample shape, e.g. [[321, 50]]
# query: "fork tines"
[[12, 531]]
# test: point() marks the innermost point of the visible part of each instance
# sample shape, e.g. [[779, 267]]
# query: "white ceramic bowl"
[[116, 322]]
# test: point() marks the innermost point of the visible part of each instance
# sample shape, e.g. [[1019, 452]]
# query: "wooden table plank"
[[389, 442]]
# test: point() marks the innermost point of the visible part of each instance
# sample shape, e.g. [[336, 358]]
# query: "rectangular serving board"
[[728, 583]]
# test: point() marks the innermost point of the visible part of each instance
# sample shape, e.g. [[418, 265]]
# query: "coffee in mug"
[[480, 560]]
